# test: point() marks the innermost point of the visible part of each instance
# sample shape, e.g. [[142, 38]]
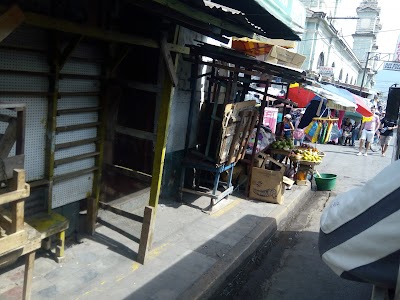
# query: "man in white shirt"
[[368, 130]]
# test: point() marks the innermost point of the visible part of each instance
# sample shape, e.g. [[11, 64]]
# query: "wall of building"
[[319, 38]]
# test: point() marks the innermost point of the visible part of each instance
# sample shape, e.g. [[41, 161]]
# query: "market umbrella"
[[362, 108], [333, 101], [300, 95]]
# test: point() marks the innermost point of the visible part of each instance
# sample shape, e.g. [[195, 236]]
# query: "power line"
[[342, 36]]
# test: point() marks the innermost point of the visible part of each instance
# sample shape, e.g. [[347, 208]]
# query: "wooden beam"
[[162, 134], [77, 127], [119, 59], [70, 159], [177, 48], [10, 20], [15, 195], [145, 235], [52, 104], [7, 141], [69, 49], [74, 174], [76, 143], [11, 163], [135, 133], [28, 275], [12, 242], [77, 110], [91, 215], [168, 61], [50, 23], [6, 118]]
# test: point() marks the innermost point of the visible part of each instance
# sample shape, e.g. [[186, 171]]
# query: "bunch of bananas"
[[308, 155]]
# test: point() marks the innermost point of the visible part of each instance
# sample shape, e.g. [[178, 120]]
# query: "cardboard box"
[[282, 56], [267, 185]]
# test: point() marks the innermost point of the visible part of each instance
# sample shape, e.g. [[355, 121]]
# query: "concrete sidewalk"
[[192, 254]]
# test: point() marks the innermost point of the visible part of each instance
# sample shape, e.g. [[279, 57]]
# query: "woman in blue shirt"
[[288, 127]]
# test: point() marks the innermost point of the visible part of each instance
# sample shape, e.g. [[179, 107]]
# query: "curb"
[[213, 278]]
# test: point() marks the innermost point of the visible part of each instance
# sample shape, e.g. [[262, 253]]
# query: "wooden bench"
[[49, 225], [17, 238]]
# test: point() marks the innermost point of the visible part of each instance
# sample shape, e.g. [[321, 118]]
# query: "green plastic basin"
[[326, 182]]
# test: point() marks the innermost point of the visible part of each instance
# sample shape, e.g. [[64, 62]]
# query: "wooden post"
[[91, 215], [54, 61], [60, 246], [29, 262], [162, 134], [17, 207], [145, 236]]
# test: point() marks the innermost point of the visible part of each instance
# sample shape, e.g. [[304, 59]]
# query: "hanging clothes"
[[316, 134], [328, 133], [321, 134]]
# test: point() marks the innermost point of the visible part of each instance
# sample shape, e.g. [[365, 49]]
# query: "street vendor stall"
[[218, 144]]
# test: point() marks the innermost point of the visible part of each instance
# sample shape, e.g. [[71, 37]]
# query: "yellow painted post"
[[162, 134], [52, 114], [60, 246]]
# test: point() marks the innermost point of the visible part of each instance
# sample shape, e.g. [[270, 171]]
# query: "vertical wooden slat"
[[17, 207], [91, 215], [21, 122], [92, 202], [145, 236], [29, 263], [162, 133], [7, 141], [54, 58]]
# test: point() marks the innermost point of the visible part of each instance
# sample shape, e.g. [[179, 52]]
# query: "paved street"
[[289, 266]]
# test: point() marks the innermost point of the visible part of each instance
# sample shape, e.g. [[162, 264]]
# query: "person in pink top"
[[368, 130]]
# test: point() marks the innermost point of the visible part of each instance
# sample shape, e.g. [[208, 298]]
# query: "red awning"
[[300, 96]]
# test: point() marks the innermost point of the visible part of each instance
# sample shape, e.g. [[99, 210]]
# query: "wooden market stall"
[[98, 82], [240, 72]]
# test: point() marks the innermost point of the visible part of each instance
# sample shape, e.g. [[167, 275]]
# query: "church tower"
[[364, 39]]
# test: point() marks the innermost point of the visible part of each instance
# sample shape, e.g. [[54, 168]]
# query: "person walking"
[[386, 130], [368, 130], [355, 132]]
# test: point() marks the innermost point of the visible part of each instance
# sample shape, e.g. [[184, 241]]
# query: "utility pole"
[[364, 71]]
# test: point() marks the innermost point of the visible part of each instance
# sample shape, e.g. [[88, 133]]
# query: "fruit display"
[[283, 144], [307, 153]]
